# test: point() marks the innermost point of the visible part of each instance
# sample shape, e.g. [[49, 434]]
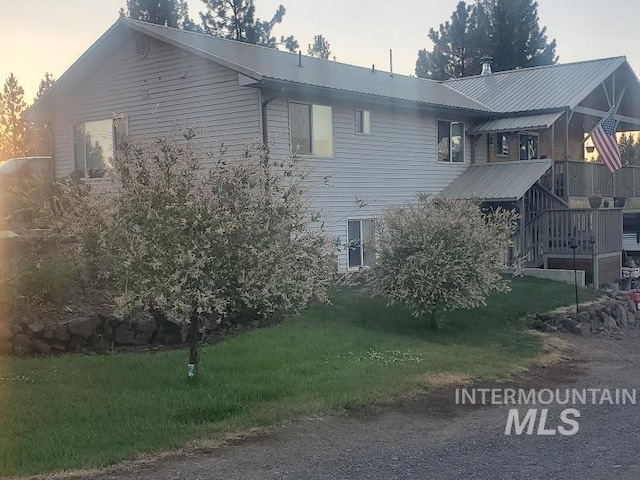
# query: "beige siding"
[[369, 173], [164, 93]]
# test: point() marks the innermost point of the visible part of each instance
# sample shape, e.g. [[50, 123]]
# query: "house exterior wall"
[[369, 173], [164, 93]]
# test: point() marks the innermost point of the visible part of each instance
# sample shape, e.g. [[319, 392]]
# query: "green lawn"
[[77, 412]]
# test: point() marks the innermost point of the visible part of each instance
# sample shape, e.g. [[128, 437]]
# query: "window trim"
[[333, 135], [464, 142], [114, 147], [360, 220], [363, 111]]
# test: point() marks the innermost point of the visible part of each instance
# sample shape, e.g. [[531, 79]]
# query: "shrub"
[[191, 240], [441, 255], [43, 282]]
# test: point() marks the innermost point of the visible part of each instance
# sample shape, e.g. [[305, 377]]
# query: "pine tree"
[[12, 128], [629, 149], [506, 30], [39, 134], [518, 40], [235, 19], [170, 13], [319, 48]]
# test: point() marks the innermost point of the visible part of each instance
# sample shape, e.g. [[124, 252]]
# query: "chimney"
[[486, 66]]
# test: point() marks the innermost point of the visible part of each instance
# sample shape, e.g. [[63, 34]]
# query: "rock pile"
[[611, 314]]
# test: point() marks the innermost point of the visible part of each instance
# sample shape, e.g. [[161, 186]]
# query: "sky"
[[49, 35]]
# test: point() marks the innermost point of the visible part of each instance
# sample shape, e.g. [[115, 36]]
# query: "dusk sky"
[[49, 35]]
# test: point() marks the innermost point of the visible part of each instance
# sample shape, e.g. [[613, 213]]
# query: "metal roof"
[[263, 64], [510, 124], [497, 181], [538, 88]]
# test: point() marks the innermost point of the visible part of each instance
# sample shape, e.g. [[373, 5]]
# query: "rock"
[[538, 324], [550, 328], [583, 329], [621, 316], [34, 329], [583, 317], [40, 346], [569, 323], [22, 345], [61, 332], [124, 335], [82, 327], [631, 306], [58, 347], [47, 333], [608, 322], [144, 327], [16, 329]]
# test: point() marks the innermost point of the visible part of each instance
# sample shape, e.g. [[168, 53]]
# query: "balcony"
[[577, 178]]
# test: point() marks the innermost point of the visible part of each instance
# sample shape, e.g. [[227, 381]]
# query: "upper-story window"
[[311, 129], [95, 144], [450, 142], [528, 146], [363, 122], [502, 144]]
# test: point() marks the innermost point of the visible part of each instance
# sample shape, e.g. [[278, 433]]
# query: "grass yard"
[[78, 412]]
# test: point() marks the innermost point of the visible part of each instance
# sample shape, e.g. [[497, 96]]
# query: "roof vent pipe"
[[486, 66], [299, 58], [391, 62], [373, 68]]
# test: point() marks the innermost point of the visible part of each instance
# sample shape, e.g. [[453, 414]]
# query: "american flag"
[[604, 138]]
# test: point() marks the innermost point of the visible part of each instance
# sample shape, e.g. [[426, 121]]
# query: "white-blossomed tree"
[[438, 255]]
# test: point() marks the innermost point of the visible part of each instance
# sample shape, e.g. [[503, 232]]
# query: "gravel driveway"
[[429, 437]]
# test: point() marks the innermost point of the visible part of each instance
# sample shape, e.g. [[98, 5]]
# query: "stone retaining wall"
[[611, 314]]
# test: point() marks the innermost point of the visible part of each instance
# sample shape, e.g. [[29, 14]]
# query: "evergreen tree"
[[39, 134], [518, 40], [506, 30], [629, 149], [454, 53], [319, 48], [170, 13], [235, 19], [12, 128]]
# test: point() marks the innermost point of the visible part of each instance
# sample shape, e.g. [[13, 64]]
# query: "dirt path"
[[429, 437]]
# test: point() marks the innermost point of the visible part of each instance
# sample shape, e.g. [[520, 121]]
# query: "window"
[[361, 243], [528, 146], [311, 129], [502, 145], [363, 122], [94, 145], [450, 142]]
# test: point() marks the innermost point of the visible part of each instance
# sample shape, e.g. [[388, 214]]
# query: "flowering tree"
[[190, 240], [441, 255]]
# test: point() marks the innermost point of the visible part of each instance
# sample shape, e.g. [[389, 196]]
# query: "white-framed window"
[[311, 129], [361, 242], [502, 144], [450, 141], [95, 144], [528, 146], [363, 122]]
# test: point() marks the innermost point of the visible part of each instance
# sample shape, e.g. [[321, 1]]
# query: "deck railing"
[[595, 231], [576, 178]]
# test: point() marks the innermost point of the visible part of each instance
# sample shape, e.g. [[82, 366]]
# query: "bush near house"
[[441, 255]]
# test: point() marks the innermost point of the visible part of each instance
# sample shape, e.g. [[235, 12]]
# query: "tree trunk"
[[194, 333]]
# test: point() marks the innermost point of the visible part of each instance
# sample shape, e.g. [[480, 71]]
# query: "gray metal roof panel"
[[537, 88], [510, 124], [497, 181], [262, 63]]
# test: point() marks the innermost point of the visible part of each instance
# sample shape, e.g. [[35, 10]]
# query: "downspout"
[[263, 116]]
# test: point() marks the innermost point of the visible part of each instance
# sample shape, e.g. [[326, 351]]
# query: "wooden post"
[[523, 233]]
